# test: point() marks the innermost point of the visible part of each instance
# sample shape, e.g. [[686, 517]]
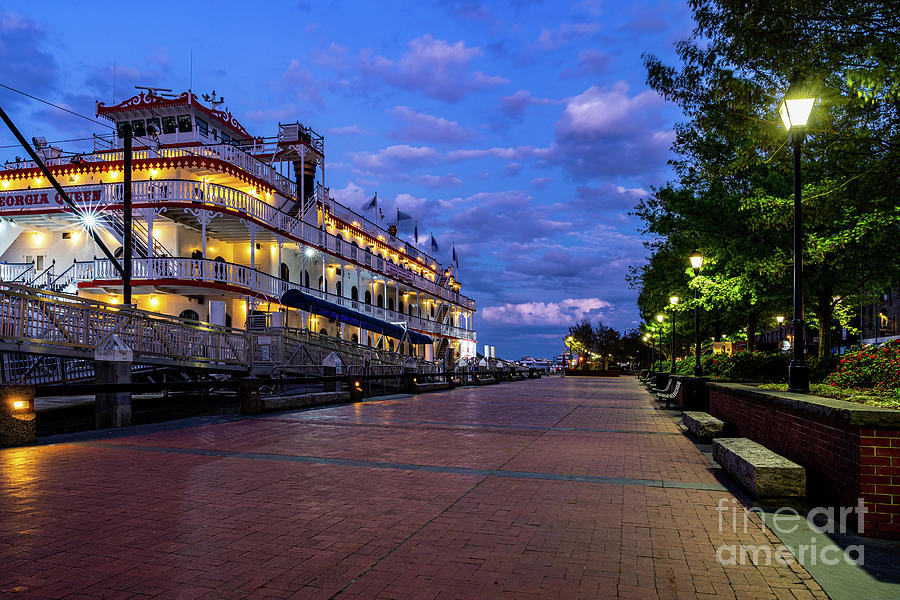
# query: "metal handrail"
[[204, 269]]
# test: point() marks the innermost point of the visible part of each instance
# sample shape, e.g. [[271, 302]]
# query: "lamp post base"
[[798, 376], [698, 371]]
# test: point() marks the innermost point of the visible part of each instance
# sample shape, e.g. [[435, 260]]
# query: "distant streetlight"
[[795, 110], [673, 300], [780, 320], [696, 262]]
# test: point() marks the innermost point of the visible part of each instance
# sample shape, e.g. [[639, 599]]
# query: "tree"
[[733, 195]]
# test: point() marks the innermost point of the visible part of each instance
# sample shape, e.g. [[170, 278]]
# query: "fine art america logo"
[[786, 521]]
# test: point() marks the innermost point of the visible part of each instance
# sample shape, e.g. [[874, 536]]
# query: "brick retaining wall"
[[850, 451]]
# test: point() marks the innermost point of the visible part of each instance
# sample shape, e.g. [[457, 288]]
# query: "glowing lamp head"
[[154, 301], [113, 174], [659, 318], [797, 105], [5, 184], [696, 260], [89, 220], [780, 319], [673, 300], [309, 252], [20, 405], [645, 338]]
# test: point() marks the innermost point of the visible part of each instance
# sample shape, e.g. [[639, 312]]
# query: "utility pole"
[[127, 245]]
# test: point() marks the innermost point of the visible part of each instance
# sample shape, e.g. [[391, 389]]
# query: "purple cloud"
[[424, 127], [23, 62], [433, 67], [590, 63], [567, 32], [514, 106], [604, 131], [564, 312], [395, 158]]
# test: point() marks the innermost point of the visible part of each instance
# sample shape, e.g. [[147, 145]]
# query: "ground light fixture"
[[795, 112], [696, 262]]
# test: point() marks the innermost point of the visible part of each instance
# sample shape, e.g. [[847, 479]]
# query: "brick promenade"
[[551, 488]]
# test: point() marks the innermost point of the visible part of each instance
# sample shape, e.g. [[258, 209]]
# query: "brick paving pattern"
[[572, 488]]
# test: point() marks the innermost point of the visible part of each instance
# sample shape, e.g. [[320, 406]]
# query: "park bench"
[[661, 390], [760, 471], [703, 426], [671, 394]]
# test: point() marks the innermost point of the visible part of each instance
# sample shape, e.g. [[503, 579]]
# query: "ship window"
[[323, 331], [390, 304], [202, 126], [215, 134], [337, 288], [120, 128], [380, 301], [168, 125], [391, 345], [306, 278], [410, 308], [368, 297], [137, 127], [153, 127], [354, 293], [189, 315], [285, 272], [354, 338], [226, 139], [184, 123]]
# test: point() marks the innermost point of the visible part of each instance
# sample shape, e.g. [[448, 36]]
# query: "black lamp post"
[[673, 300], [697, 262], [795, 110], [659, 319]]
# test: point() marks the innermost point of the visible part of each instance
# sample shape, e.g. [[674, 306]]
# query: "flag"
[[434, 244], [373, 203], [402, 216], [416, 233], [380, 214], [455, 259]]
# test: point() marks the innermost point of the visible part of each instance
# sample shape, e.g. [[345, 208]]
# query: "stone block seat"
[[759, 470], [703, 426]]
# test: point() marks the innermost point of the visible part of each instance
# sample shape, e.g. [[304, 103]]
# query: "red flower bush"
[[869, 367]]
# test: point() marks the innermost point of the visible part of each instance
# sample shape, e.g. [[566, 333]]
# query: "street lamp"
[[645, 344], [795, 110], [697, 262], [780, 320], [659, 319], [673, 300]]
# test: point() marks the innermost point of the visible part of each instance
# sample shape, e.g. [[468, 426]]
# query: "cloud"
[[540, 183], [349, 130], [351, 194], [567, 32], [437, 181], [605, 131], [514, 106], [435, 68], [423, 127], [564, 312], [24, 64], [299, 82], [394, 158], [590, 63]]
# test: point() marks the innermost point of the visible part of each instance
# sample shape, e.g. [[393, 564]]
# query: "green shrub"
[[869, 367]]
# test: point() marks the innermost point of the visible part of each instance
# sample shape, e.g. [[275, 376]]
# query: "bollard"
[[411, 381], [354, 386], [17, 417], [112, 364], [248, 394]]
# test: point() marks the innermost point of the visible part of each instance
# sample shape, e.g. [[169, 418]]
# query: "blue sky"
[[520, 130]]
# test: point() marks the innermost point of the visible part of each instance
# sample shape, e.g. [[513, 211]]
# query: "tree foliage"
[[732, 196]]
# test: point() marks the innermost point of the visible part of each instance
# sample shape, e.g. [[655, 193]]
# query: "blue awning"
[[301, 301]]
